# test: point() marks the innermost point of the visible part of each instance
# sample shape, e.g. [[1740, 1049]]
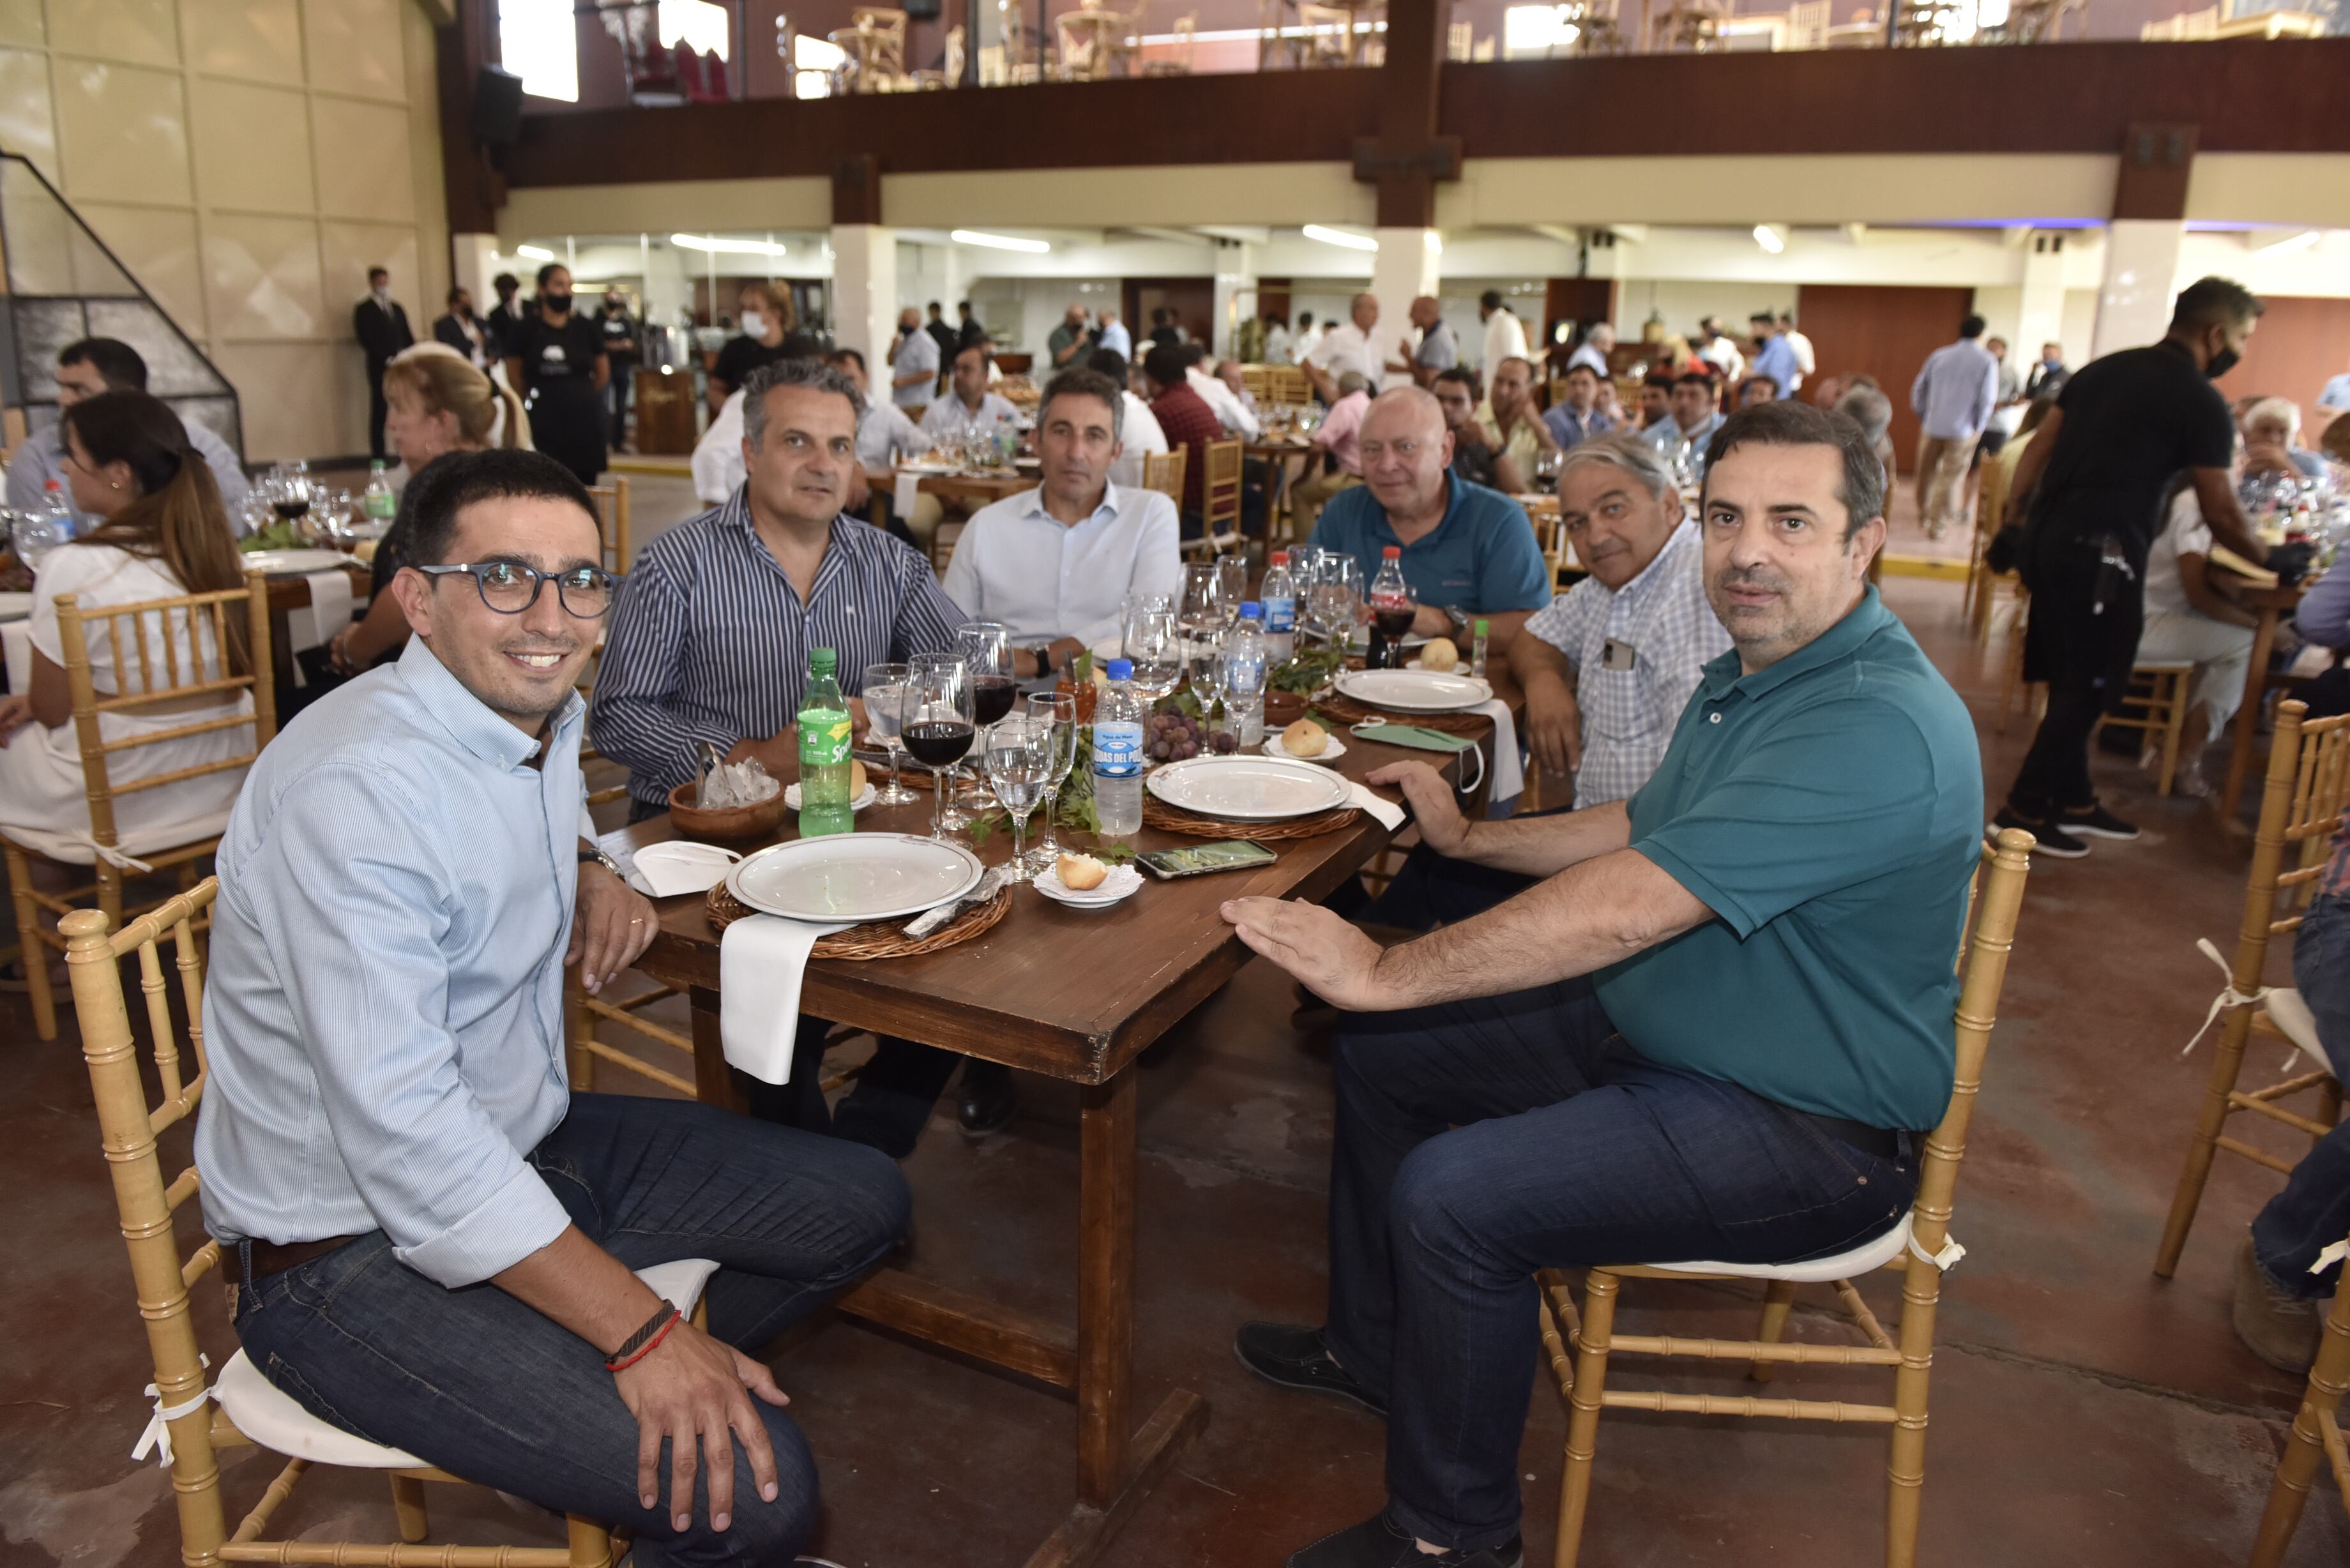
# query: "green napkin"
[[1412, 735]]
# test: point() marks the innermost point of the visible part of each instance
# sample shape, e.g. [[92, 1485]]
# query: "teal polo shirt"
[[1828, 810], [1481, 559]]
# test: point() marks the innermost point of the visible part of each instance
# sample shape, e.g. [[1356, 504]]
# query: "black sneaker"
[[2098, 822], [2053, 840], [1294, 1356], [1382, 1544], [988, 1098]]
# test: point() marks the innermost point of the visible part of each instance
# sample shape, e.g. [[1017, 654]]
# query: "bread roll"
[[1439, 655], [1305, 739], [855, 778], [1080, 873]]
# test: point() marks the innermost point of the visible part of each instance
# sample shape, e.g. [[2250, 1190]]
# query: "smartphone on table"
[[1198, 859]]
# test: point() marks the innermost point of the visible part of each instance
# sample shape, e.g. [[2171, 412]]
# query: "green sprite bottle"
[[823, 750]]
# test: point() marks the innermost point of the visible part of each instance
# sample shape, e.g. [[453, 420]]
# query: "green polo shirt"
[[1829, 811]]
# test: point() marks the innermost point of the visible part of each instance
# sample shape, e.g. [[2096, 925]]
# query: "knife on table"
[[941, 915]]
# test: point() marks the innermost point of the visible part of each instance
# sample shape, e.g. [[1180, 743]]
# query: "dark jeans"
[[1567, 1147], [2085, 654], [1432, 889], [476, 1382], [2313, 1212]]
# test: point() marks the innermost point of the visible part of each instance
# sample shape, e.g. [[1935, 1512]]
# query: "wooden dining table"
[[2270, 605], [1074, 994], [288, 594]]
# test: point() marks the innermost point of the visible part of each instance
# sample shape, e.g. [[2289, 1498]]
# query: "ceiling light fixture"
[[714, 245], [998, 242], [1771, 237], [535, 253], [1340, 237]]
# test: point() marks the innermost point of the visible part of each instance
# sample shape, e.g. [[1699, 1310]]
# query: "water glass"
[[1019, 765], [1154, 645], [884, 690], [1057, 713]]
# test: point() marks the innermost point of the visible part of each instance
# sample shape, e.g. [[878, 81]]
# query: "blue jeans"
[[1565, 1147], [2313, 1212], [476, 1382]]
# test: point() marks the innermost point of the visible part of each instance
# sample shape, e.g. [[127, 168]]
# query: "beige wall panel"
[[1870, 188], [293, 406], [261, 278], [350, 249], [258, 39], [20, 23], [363, 164], [2304, 188], [691, 204], [253, 148], [1169, 196], [425, 159], [125, 133], [159, 248], [28, 118], [355, 47], [141, 32]]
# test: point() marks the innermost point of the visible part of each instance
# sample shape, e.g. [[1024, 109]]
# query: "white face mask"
[[754, 324], [384, 294]]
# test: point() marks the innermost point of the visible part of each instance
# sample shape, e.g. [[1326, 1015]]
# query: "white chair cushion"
[[271, 1417], [1869, 1255], [2294, 1021]]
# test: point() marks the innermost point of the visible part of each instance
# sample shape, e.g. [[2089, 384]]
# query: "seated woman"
[[437, 403], [2188, 619], [162, 533]]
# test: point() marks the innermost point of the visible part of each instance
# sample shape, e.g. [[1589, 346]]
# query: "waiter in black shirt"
[[620, 344], [503, 315], [555, 357], [381, 326], [770, 333], [2092, 484]]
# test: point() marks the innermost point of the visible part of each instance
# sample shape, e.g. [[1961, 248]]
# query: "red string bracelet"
[[622, 1364]]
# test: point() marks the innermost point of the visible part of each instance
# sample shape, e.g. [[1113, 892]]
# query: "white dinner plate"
[[1247, 789], [854, 876], [928, 469], [294, 563], [1332, 750], [864, 797], [1118, 886], [1415, 690]]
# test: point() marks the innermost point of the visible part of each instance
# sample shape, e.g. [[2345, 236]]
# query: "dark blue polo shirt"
[[1482, 558]]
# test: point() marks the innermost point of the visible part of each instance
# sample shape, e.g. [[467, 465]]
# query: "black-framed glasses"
[[510, 587]]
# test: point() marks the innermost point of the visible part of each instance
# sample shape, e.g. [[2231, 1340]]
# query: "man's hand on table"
[[1554, 726], [611, 925], [691, 1385], [1441, 826], [1335, 961]]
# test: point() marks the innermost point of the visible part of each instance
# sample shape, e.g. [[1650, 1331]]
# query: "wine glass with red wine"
[[985, 649], [937, 727]]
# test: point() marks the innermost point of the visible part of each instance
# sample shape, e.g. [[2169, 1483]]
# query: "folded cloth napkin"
[[329, 611], [17, 637], [761, 961], [679, 866], [1509, 768], [908, 490], [1390, 814]]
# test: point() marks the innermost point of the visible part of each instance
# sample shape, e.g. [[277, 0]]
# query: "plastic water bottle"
[[824, 723], [35, 534], [379, 504], [1244, 673], [1280, 600], [1118, 753], [56, 510]]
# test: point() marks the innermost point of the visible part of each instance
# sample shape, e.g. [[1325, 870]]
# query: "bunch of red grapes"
[[1171, 737]]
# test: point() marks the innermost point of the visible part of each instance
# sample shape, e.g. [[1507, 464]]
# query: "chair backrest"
[[612, 522], [2301, 808], [953, 72], [888, 26], [149, 671], [1164, 472], [143, 1199], [1219, 487]]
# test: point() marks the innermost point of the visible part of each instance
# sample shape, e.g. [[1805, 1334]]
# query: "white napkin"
[[1509, 769], [761, 961], [18, 637], [329, 612], [908, 490], [1390, 814], [679, 866]]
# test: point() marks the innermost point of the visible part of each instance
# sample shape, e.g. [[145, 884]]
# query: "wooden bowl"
[[734, 823], [1282, 708]]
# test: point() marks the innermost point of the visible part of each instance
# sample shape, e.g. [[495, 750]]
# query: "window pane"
[[540, 44]]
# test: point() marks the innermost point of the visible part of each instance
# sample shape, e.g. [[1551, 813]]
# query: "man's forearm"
[[582, 1287], [1546, 845]]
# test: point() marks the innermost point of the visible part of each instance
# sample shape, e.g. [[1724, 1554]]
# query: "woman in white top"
[[162, 533], [2188, 619]]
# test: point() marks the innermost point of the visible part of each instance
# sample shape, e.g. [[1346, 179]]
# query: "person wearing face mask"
[[2047, 377], [2090, 485], [381, 326], [555, 359], [770, 332]]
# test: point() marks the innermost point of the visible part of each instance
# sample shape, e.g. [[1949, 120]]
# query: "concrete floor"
[[2084, 1413]]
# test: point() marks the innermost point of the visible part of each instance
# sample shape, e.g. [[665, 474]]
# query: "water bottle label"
[[1281, 616], [1118, 750], [824, 737]]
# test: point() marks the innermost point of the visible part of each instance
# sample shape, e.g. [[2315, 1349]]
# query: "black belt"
[[1877, 1141], [271, 1258]]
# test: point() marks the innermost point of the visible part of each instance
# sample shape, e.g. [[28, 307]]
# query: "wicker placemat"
[[1347, 710], [1158, 813], [875, 939]]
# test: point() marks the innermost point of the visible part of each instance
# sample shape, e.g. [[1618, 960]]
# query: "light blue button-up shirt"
[[42, 458], [1956, 389], [384, 1011], [1777, 359], [1018, 564]]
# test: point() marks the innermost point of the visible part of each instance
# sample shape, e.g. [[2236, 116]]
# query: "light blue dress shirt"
[[43, 458], [1955, 392], [1666, 435], [1118, 340], [917, 355], [2336, 395], [1018, 564], [384, 1011], [1777, 360]]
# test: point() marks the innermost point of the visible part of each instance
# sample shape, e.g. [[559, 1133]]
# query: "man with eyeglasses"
[[430, 1238]]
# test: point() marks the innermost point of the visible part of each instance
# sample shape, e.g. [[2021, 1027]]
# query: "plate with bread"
[[1306, 742], [1083, 882]]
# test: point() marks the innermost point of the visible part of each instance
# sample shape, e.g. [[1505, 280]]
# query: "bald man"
[[1439, 349], [1346, 347], [1468, 552]]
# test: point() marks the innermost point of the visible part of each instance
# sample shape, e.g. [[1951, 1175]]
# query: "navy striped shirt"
[[709, 641]]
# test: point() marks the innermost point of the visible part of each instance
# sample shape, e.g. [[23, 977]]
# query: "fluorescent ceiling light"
[[2300, 242], [1341, 237], [1770, 237], [998, 242], [717, 246], [535, 253]]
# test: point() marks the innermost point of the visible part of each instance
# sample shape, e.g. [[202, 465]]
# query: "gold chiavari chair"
[[612, 523], [2316, 1437], [1580, 1344], [149, 677], [1164, 472], [250, 1410], [1220, 500], [2160, 711], [2301, 809]]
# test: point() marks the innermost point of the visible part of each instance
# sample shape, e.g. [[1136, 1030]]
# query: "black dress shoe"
[[1294, 1356], [988, 1097], [1382, 1544]]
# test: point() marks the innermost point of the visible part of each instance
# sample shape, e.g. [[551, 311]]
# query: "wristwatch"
[[601, 859], [1044, 660], [1458, 616]]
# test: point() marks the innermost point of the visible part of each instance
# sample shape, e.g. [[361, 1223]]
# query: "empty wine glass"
[[1232, 582], [1337, 594], [936, 725], [884, 690], [1019, 763], [1154, 645], [1056, 712], [1135, 604], [1200, 613]]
